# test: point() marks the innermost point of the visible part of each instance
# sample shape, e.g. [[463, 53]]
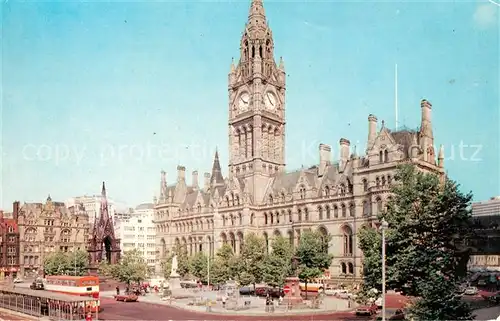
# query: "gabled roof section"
[[406, 138]]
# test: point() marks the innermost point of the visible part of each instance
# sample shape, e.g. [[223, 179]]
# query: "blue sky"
[[99, 87]]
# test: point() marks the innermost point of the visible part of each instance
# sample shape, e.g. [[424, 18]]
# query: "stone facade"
[[260, 196], [46, 228]]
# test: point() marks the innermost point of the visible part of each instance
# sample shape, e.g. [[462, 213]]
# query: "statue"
[[175, 278]]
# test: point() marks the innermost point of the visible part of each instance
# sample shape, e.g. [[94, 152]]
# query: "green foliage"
[[439, 302], [198, 266], [429, 218], [66, 263], [183, 266], [313, 255], [277, 265], [106, 269], [222, 267], [245, 278], [252, 259], [166, 265], [132, 267]]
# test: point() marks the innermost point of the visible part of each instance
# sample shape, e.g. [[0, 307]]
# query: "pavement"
[[114, 310], [257, 305]]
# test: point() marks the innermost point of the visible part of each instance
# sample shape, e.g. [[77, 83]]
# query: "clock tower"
[[256, 104]]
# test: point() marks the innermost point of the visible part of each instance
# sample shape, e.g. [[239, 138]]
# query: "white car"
[[471, 291], [378, 302], [18, 280], [334, 291]]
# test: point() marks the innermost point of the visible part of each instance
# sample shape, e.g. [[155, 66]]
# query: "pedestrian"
[[117, 290], [89, 317], [224, 301]]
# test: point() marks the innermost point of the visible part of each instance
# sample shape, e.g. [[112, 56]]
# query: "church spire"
[[216, 177], [104, 204]]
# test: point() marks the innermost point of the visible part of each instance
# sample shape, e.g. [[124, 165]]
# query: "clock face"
[[244, 101], [270, 100]]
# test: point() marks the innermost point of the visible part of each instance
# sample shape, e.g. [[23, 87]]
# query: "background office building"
[[136, 230], [486, 216]]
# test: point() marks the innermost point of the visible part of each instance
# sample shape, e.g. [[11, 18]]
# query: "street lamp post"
[[74, 250], [383, 227]]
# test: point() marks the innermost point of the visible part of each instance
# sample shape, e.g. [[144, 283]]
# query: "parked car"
[[247, 290], [398, 315], [378, 303], [335, 292], [275, 292], [472, 290], [189, 284], [261, 291], [366, 310], [37, 285], [127, 298], [18, 280]]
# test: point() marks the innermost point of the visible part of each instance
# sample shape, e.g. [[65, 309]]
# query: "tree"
[[313, 255], [198, 266], [132, 267], [166, 265], [252, 258], [182, 260], [106, 269], [221, 268], [66, 263], [277, 265], [429, 219]]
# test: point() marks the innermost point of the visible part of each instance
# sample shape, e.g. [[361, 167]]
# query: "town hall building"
[[259, 195]]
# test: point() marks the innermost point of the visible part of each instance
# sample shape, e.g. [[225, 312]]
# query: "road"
[[114, 310], [10, 317]]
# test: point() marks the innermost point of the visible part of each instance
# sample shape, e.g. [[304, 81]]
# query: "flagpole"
[[396, 93]]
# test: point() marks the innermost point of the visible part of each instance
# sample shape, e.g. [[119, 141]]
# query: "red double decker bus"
[[75, 285]]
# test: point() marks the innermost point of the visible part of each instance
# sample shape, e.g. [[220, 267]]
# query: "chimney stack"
[[426, 135], [325, 156], [344, 150], [15, 210], [372, 130], [206, 182], [195, 179], [181, 173], [441, 157]]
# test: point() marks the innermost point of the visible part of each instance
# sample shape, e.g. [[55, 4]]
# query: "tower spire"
[[256, 16], [216, 177], [104, 204]]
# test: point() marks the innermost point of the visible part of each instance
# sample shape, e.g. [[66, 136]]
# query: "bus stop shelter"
[[55, 306]]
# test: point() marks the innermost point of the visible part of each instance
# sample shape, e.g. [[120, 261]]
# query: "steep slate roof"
[[406, 138]]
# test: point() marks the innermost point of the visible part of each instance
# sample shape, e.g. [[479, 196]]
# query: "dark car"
[[275, 292], [399, 315], [247, 290], [37, 285], [261, 291]]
